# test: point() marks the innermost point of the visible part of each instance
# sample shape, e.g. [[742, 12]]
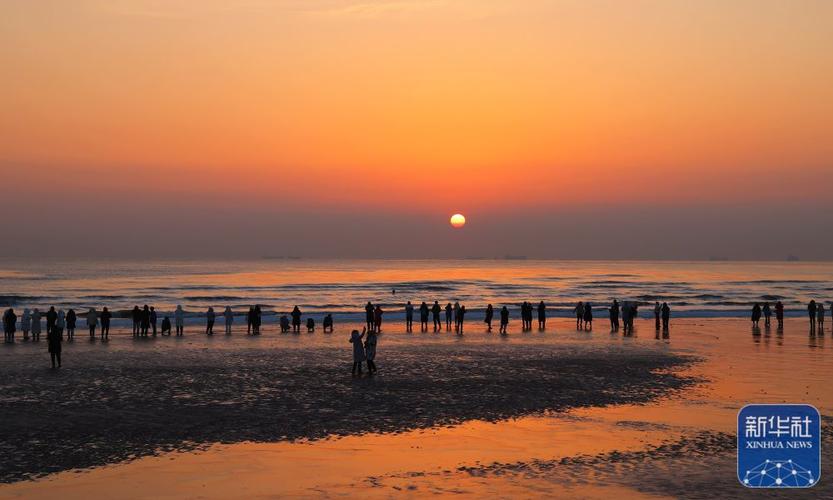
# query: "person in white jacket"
[[26, 323], [179, 320], [35, 325]]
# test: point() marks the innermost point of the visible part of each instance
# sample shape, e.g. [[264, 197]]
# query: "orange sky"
[[421, 105]]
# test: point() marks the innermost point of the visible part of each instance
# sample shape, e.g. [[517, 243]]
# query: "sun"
[[458, 220]]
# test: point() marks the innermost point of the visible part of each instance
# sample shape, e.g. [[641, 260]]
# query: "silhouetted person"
[[490, 312], [657, 313], [455, 310], [779, 314], [666, 315], [166, 326], [154, 320], [542, 315], [820, 316], [179, 321], [26, 323], [756, 314], [448, 314], [92, 322], [579, 310], [35, 325], [614, 316], [61, 323], [284, 323], [250, 316], [409, 317], [423, 317], [228, 315], [377, 318], [106, 315], [51, 318], [626, 317], [53, 340], [461, 318], [524, 318], [370, 351], [209, 321], [9, 324], [368, 315], [588, 316], [310, 325], [144, 320], [257, 320], [358, 350], [136, 314], [296, 320], [328, 323], [435, 313], [71, 320], [811, 310], [504, 319], [767, 314]]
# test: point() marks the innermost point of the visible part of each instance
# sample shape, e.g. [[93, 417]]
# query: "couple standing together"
[[364, 352]]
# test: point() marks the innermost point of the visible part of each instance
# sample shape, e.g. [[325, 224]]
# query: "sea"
[[343, 287]]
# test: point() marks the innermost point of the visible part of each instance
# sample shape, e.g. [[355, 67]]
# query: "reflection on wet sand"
[[679, 445]]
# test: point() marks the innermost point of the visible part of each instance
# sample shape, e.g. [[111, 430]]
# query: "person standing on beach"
[[756, 314], [296, 320], [461, 318], [9, 324], [490, 312], [257, 320], [368, 315], [61, 323], [154, 320], [779, 314], [542, 316], [284, 323], [209, 321], [579, 310], [229, 317], [588, 316], [26, 323], [456, 310], [657, 313], [310, 325], [136, 314], [328, 323], [504, 319], [435, 313], [53, 340], [423, 317], [71, 319], [409, 317], [92, 322], [370, 351], [377, 318], [448, 314], [179, 320], [820, 316], [145, 320], [358, 350], [666, 315], [626, 316], [811, 310], [767, 314], [250, 319], [35, 325], [105, 323], [614, 316], [51, 318], [166, 326]]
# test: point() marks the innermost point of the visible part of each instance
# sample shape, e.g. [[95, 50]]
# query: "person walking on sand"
[[435, 314], [368, 315], [377, 318], [105, 323], [614, 316], [820, 316], [779, 314], [328, 323], [461, 318], [370, 351], [657, 314], [53, 341], [209, 321], [228, 315], [448, 314], [179, 320], [358, 350], [92, 322], [542, 316], [666, 315], [35, 325], [409, 317], [136, 314], [26, 323], [145, 320], [588, 316], [767, 314], [579, 310], [423, 317], [71, 320], [811, 310], [490, 312], [504, 320], [756, 314], [296, 320]]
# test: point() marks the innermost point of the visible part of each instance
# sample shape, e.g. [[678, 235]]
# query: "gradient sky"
[[597, 129]]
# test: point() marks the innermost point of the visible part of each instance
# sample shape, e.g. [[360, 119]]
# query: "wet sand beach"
[[554, 413]]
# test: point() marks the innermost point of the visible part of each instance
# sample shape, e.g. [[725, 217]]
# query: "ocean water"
[[342, 287]]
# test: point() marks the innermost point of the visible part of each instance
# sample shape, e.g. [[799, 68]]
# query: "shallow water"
[[680, 444], [342, 287]]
